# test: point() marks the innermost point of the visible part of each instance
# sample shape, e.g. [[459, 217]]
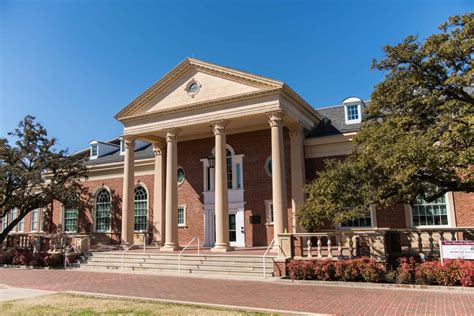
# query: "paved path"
[[15, 293], [255, 294]]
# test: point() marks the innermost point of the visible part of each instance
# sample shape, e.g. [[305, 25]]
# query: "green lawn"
[[81, 305]]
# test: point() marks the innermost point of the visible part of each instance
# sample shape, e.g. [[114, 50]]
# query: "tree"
[[33, 173], [416, 138]]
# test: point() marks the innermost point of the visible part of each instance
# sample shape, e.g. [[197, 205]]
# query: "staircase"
[[211, 264]]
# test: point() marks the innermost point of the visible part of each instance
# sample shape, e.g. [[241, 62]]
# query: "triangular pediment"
[[195, 82]]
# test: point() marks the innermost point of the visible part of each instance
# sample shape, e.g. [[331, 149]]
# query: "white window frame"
[[267, 170], [94, 223], [268, 212], [359, 111], [184, 207], [147, 208], [236, 160], [122, 147], [37, 220], [449, 211], [5, 221], [184, 177], [91, 151], [63, 221]]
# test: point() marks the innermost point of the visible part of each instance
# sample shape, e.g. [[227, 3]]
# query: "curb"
[[386, 286]]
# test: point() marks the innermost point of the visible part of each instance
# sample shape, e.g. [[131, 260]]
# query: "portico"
[[199, 100]]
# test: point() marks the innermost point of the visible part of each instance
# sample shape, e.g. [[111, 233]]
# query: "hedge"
[[456, 272]]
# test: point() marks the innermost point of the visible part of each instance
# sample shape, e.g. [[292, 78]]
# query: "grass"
[[82, 305]]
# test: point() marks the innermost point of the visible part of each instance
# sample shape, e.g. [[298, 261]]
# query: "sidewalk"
[[253, 294]]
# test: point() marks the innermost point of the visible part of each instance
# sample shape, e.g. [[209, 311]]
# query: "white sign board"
[[456, 249]]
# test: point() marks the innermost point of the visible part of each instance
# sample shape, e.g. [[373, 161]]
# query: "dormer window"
[[94, 151], [122, 146], [353, 110], [99, 149]]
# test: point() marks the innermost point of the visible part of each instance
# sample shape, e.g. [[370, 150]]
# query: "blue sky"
[[74, 64]]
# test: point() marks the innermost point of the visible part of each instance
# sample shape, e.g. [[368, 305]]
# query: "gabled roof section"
[[190, 64]]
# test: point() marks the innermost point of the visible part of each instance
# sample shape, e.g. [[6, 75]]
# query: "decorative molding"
[[219, 127], [172, 134], [203, 104], [275, 119], [159, 148], [187, 64], [295, 130]]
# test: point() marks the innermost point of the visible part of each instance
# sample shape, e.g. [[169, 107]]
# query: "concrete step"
[[183, 266], [183, 262], [236, 265], [254, 259], [269, 272]]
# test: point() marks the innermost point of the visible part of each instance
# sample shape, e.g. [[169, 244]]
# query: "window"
[[433, 213], [5, 221], [70, 220], [12, 218], [352, 112], [94, 151], [122, 147], [102, 211], [268, 166], [141, 209], [181, 175], [181, 215], [269, 211], [34, 220], [364, 221], [229, 169], [233, 169], [21, 224]]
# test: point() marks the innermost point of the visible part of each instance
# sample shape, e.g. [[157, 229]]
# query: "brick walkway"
[[269, 295]]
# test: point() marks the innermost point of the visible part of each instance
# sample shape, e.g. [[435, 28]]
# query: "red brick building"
[[222, 155]]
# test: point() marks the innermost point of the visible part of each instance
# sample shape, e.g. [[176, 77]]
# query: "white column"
[[159, 148], [128, 190], [221, 190], [280, 207], [171, 199], [298, 177]]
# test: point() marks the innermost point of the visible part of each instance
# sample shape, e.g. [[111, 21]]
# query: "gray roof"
[[142, 153], [334, 123]]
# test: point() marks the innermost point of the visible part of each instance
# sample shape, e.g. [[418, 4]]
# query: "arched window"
[[141, 209], [229, 168], [102, 211], [233, 168]]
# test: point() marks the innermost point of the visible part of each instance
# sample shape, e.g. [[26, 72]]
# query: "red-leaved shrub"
[[406, 270], [324, 270]]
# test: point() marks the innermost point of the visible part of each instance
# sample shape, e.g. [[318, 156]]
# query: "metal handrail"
[[263, 258], [181, 252], [127, 249]]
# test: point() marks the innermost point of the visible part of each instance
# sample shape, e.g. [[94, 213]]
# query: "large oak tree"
[[33, 173], [417, 133]]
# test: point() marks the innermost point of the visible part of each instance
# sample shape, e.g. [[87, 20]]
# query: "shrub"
[[428, 272], [53, 260], [456, 272], [347, 270], [6, 256], [324, 270], [21, 257], [371, 270], [406, 270]]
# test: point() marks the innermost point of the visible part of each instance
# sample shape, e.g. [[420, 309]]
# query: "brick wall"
[[256, 148], [464, 209]]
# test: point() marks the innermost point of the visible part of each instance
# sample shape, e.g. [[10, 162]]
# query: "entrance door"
[[236, 228]]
